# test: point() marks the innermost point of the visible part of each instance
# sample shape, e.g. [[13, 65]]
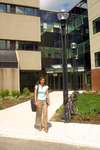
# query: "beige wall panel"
[[29, 60], [92, 61], [94, 39], [94, 11], [94, 47], [9, 79], [32, 3], [95, 43], [19, 27], [91, 29], [91, 3]]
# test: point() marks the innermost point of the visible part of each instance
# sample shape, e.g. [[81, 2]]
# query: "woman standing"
[[42, 101]]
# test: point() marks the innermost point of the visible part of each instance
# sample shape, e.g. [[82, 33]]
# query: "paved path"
[[18, 122], [21, 144]]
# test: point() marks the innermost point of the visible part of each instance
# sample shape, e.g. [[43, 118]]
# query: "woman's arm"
[[47, 96], [35, 94]]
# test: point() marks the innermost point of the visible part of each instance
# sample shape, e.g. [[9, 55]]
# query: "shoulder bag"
[[33, 105]]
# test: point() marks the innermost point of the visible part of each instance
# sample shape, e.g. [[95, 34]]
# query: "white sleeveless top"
[[41, 95]]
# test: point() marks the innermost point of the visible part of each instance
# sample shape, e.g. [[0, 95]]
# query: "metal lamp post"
[[62, 17], [75, 65]]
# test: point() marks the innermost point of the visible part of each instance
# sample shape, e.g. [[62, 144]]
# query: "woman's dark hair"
[[42, 77]]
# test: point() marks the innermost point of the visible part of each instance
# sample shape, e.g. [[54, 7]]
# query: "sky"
[[58, 5]]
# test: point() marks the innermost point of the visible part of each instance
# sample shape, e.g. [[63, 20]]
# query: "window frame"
[[95, 30], [27, 12], [6, 45], [3, 10], [18, 9], [97, 59], [25, 45]]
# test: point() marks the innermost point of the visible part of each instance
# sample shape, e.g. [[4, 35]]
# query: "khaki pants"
[[41, 115]]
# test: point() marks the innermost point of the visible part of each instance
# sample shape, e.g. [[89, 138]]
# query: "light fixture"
[[62, 15], [73, 45]]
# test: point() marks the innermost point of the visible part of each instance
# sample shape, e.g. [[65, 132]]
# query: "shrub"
[[15, 93], [26, 92], [74, 96], [4, 93]]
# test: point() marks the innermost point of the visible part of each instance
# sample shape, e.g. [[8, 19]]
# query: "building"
[[20, 58], [94, 27], [51, 49], [78, 32]]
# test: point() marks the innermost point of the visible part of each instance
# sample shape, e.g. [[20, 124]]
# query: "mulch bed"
[[6, 103], [78, 119]]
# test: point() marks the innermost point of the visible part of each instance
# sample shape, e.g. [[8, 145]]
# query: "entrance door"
[[81, 80], [55, 81], [28, 79]]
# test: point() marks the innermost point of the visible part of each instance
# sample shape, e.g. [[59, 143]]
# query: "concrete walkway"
[[18, 122]]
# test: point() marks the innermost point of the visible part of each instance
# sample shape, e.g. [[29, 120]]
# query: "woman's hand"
[[48, 101], [36, 103], [47, 98]]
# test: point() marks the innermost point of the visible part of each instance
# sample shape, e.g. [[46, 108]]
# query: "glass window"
[[12, 45], [57, 30], [35, 12], [20, 10], [96, 25], [97, 59], [3, 8], [26, 45], [4, 44], [8, 8], [12, 8], [29, 11], [8, 45], [49, 55], [16, 45]]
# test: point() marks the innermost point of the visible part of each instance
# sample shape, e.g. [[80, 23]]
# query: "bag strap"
[[37, 90]]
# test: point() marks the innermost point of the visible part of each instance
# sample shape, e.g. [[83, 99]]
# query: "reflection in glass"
[[96, 25], [3, 8], [29, 11], [20, 10], [97, 59], [4, 44]]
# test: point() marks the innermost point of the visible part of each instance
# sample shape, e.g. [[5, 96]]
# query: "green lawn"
[[87, 109], [88, 104]]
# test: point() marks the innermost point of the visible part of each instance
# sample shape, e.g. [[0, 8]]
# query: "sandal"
[[46, 130], [38, 128]]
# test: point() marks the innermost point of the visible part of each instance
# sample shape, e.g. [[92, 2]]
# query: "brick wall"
[[96, 79]]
